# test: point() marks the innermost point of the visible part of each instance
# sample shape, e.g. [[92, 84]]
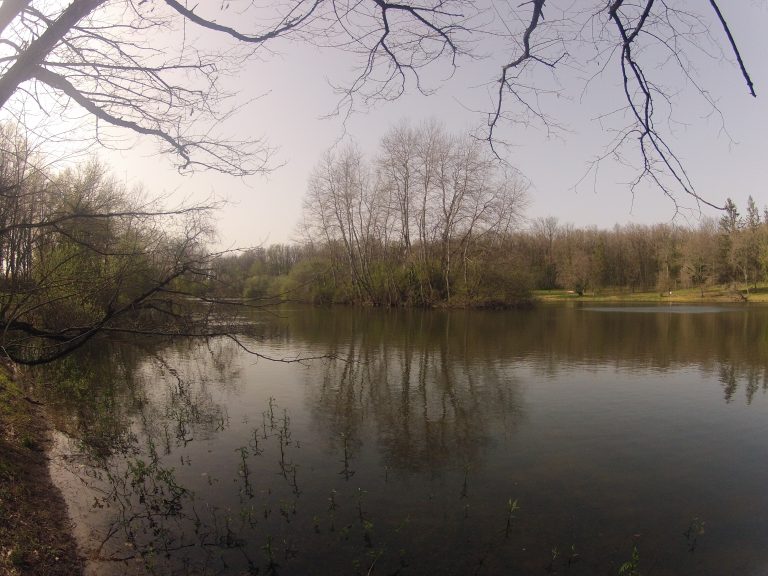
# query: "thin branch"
[[734, 47]]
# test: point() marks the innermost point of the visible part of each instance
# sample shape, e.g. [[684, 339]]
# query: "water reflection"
[[550, 337], [730, 342], [430, 409], [105, 395], [660, 309], [533, 441], [126, 410], [751, 378]]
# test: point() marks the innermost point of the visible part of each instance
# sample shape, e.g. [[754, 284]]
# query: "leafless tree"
[[398, 175], [345, 208], [447, 191]]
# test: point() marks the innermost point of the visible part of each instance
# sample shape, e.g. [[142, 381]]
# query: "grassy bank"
[[709, 295], [35, 531]]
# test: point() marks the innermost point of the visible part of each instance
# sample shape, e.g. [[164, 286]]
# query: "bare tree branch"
[[61, 83], [734, 47], [31, 57]]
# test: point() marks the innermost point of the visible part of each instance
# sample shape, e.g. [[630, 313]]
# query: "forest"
[[436, 220], [506, 270], [81, 254]]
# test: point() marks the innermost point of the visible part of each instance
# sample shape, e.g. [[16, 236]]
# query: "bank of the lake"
[[35, 531], [709, 295]]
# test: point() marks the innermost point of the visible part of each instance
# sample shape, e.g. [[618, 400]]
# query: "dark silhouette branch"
[[34, 54], [288, 24], [62, 84], [732, 42], [536, 16]]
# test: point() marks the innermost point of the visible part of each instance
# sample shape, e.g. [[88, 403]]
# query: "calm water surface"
[[550, 441]]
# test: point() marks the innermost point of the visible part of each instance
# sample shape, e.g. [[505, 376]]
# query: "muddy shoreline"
[[36, 536]]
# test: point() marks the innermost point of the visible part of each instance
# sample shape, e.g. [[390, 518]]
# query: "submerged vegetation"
[[434, 441]]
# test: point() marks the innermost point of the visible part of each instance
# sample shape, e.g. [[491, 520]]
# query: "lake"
[[560, 440]]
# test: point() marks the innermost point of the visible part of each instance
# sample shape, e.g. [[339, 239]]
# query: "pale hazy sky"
[[295, 84]]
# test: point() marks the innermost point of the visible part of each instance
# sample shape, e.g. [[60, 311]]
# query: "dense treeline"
[[732, 251], [503, 268]]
